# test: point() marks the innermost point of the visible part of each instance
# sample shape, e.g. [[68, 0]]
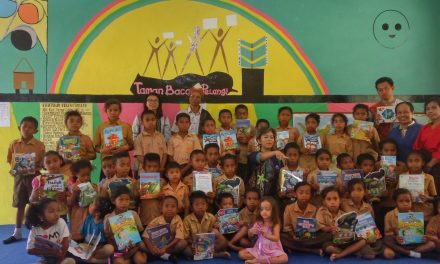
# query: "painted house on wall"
[[24, 76]]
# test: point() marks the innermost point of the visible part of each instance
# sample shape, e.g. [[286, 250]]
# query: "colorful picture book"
[[411, 227], [347, 226], [210, 139], [87, 194], [386, 114], [415, 183], [243, 127], [160, 235], [23, 164], [388, 163], [366, 227], [150, 184], [288, 179], [361, 129], [228, 139], [216, 172], [348, 175], [45, 244], [312, 142], [375, 182], [69, 147], [326, 179], [118, 183], [53, 183], [282, 139], [202, 181], [231, 186], [124, 230], [204, 246], [113, 136], [84, 250], [229, 220], [305, 228]]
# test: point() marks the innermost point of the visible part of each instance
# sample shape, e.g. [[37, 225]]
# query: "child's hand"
[[400, 240], [253, 231], [155, 250], [423, 198], [106, 150], [280, 155], [334, 229], [369, 134], [75, 187], [390, 180]]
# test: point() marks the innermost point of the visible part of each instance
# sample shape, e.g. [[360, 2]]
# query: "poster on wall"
[[5, 114], [52, 121]]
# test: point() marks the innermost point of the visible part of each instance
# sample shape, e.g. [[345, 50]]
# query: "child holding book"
[[113, 109], [53, 162], [248, 215], [150, 141], [229, 182], [393, 242], [93, 226], [432, 234], [197, 163], [302, 208], [121, 197], [176, 243], [212, 153], [268, 248], [326, 217], [307, 159], [74, 121], [108, 170], [49, 235], [23, 176], [339, 142], [81, 171], [200, 221], [182, 143], [242, 112], [175, 187], [284, 119], [361, 112], [208, 128]]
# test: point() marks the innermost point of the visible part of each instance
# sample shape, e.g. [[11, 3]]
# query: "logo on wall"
[[391, 29]]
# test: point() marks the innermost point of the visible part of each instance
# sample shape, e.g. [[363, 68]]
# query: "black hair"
[[430, 100], [147, 112], [383, 142], [400, 191], [104, 206], [361, 106], [35, 212], [121, 190], [384, 79], [182, 115], [410, 105], [266, 130], [262, 120], [313, 116], [281, 109], [197, 195], [351, 183], [253, 190], [344, 118], [303, 183], [151, 157], [224, 195], [329, 189], [204, 121], [172, 165], [112, 101], [224, 111], [159, 112], [321, 151], [228, 157], [240, 106], [421, 154], [71, 113], [436, 202], [169, 197], [120, 155], [30, 119], [106, 158], [54, 153], [291, 145], [78, 165], [211, 145], [196, 152], [341, 157], [363, 157]]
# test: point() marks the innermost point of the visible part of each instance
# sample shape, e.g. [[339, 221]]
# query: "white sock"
[[414, 254], [17, 232], [165, 256]]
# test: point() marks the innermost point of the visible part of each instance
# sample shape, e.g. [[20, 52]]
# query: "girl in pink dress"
[[268, 248]]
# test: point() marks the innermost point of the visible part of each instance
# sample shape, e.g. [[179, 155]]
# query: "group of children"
[[245, 178]]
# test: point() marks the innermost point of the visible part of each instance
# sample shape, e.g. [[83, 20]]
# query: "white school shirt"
[[55, 233]]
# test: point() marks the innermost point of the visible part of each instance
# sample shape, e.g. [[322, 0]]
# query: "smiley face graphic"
[[391, 29]]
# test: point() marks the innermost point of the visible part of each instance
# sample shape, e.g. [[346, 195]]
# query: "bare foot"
[[321, 252], [223, 254], [332, 249], [251, 261], [334, 257]]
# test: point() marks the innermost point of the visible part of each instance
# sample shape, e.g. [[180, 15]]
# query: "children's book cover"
[[210, 139], [347, 226], [113, 136], [53, 183], [228, 139], [216, 172], [229, 220], [386, 114], [288, 179], [312, 142], [282, 139], [69, 147], [361, 129], [411, 227], [150, 184], [375, 182], [118, 183], [202, 182], [204, 246], [45, 244], [124, 230], [87, 194], [305, 228], [84, 250], [243, 127], [348, 175], [160, 235], [23, 164], [388, 163], [231, 186], [415, 183], [366, 227], [326, 178]]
